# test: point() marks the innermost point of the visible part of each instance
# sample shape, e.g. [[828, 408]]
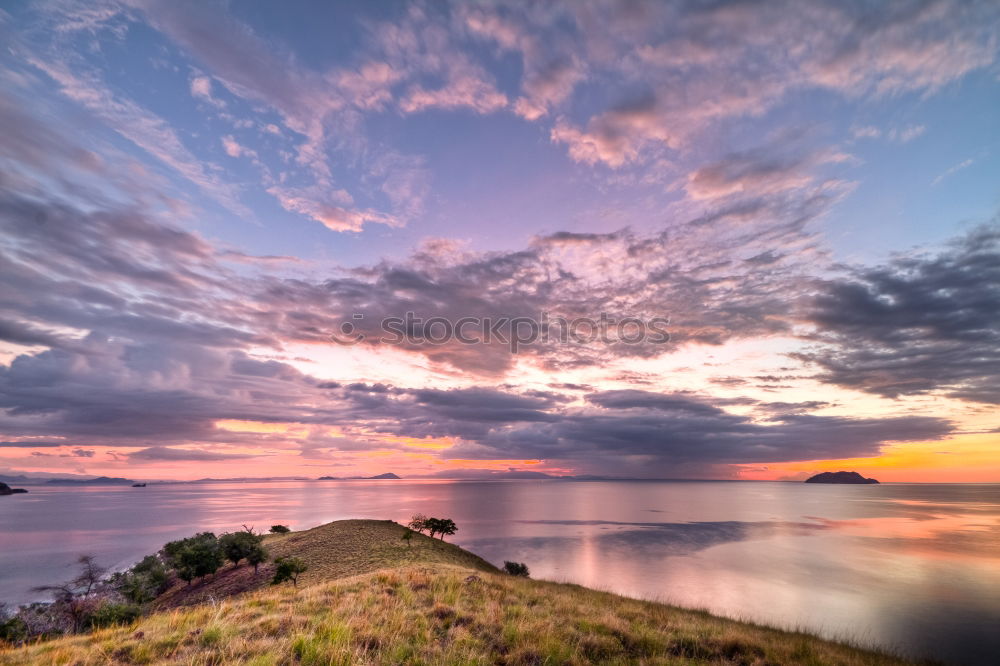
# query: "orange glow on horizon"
[[963, 459]]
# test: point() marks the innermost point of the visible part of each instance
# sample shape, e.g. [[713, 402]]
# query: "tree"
[[516, 569], [418, 523], [279, 529], [195, 556], [90, 574], [143, 582], [257, 556], [238, 545], [288, 568], [71, 600], [408, 537], [442, 526]]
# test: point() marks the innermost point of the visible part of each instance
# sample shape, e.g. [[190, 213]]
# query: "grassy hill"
[[332, 551], [370, 599]]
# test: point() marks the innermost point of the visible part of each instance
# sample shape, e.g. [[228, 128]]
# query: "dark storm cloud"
[[640, 431], [917, 325], [30, 444]]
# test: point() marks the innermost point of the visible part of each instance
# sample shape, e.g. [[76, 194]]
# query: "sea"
[[911, 568]]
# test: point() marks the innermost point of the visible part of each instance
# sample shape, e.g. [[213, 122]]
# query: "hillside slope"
[[431, 603], [332, 551]]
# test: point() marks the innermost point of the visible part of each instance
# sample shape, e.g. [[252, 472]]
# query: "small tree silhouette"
[[445, 526], [279, 529], [516, 569], [407, 537]]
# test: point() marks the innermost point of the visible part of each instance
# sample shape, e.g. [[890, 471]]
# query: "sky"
[[209, 210]]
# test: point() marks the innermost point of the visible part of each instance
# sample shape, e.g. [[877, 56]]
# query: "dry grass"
[[332, 551], [441, 612]]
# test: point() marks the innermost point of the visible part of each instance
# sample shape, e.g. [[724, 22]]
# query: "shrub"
[[143, 582], [12, 628], [516, 569], [288, 568], [279, 529], [257, 556], [108, 614], [239, 545], [195, 556]]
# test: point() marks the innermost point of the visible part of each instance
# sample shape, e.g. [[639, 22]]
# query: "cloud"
[[174, 454], [146, 130], [758, 173], [702, 64], [964, 164], [552, 68], [331, 215], [231, 146], [924, 324], [461, 91], [661, 433], [616, 136], [201, 88]]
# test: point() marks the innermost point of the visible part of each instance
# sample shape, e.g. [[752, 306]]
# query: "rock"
[[7, 490], [839, 477]]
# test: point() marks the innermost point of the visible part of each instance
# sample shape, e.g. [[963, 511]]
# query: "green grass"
[[450, 608]]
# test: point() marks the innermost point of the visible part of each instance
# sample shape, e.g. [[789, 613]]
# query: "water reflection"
[[914, 567]]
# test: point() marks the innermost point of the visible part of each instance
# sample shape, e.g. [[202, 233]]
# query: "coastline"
[[369, 598]]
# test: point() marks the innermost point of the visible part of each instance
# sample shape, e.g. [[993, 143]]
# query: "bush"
[[143, 582], [516, 569], [279, 529], [108, 614], [257, 557], [239, 545], [195, 556], [12, 627], [288, 568]]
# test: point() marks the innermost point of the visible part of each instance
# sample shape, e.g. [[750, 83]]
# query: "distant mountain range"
[[387, 475], [98, 481]]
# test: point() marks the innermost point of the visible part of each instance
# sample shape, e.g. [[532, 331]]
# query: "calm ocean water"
[[912, 567]]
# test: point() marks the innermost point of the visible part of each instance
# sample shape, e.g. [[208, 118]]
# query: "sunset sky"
[[194, 196]]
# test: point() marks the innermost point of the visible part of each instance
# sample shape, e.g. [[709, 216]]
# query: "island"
[[7, 490], [387, 475], [839, 477]]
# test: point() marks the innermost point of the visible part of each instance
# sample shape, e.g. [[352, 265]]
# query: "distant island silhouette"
[[839, 477], [99, 481], [7, 490], [387, 475]]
